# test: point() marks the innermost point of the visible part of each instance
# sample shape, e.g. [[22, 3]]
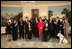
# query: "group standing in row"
[[37, 28]]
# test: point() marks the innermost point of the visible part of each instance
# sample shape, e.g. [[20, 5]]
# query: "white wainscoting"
[[3, 30]]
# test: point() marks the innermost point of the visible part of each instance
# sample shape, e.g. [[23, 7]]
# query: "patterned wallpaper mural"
[[10, 13]]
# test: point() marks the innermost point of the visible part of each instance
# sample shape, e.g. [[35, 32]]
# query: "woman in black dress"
[[8, 30], [14, 30]]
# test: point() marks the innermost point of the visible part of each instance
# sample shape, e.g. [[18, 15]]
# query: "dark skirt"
[[14, 34], [8, 30]]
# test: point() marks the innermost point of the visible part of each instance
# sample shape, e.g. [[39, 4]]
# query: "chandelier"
[[27, 2]]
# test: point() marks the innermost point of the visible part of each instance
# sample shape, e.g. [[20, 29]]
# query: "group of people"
[[36, 28]]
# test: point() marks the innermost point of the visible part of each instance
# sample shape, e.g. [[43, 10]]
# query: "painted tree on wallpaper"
[[50, 13], [17, 16], [59, 10], [67, 13], [10, 13]]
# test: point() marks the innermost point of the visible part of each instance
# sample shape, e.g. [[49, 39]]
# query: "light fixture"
[[27, 2]]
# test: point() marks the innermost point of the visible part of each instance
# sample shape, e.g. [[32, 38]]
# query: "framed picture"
[[35, 13]]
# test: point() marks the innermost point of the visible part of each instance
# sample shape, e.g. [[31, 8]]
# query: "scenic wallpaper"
[[16, 12], [10, 13], [60, 11]]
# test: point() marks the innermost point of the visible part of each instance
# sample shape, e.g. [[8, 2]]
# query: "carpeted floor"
[[34, 43]]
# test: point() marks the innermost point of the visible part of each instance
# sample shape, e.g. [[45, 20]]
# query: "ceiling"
[[37, 2]]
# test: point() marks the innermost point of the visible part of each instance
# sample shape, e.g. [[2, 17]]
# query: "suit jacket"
[[21, 27], [44, 19], [14, 28], [66, 31]]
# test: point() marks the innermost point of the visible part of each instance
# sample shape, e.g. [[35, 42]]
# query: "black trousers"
[[29, 35], [14, 35], [26, 34], [55, 34], [51, 34], [21, 34], [37, 34], [45, 35]]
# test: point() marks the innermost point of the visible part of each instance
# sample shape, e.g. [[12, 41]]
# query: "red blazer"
[[40, 24]]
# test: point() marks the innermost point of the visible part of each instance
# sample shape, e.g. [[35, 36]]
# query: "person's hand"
[[16, 24], [60, 25], [46, 29], [21, 24], [30, 29], [55, 23], [64, 27], [40, 27]]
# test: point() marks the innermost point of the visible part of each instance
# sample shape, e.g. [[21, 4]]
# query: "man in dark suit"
[[26, 27], [51, 27], [36, 27], [21, 28], [45, 18], [14, 30], [56, 27]]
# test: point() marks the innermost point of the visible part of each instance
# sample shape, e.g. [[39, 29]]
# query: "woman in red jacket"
[[40, 28]]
